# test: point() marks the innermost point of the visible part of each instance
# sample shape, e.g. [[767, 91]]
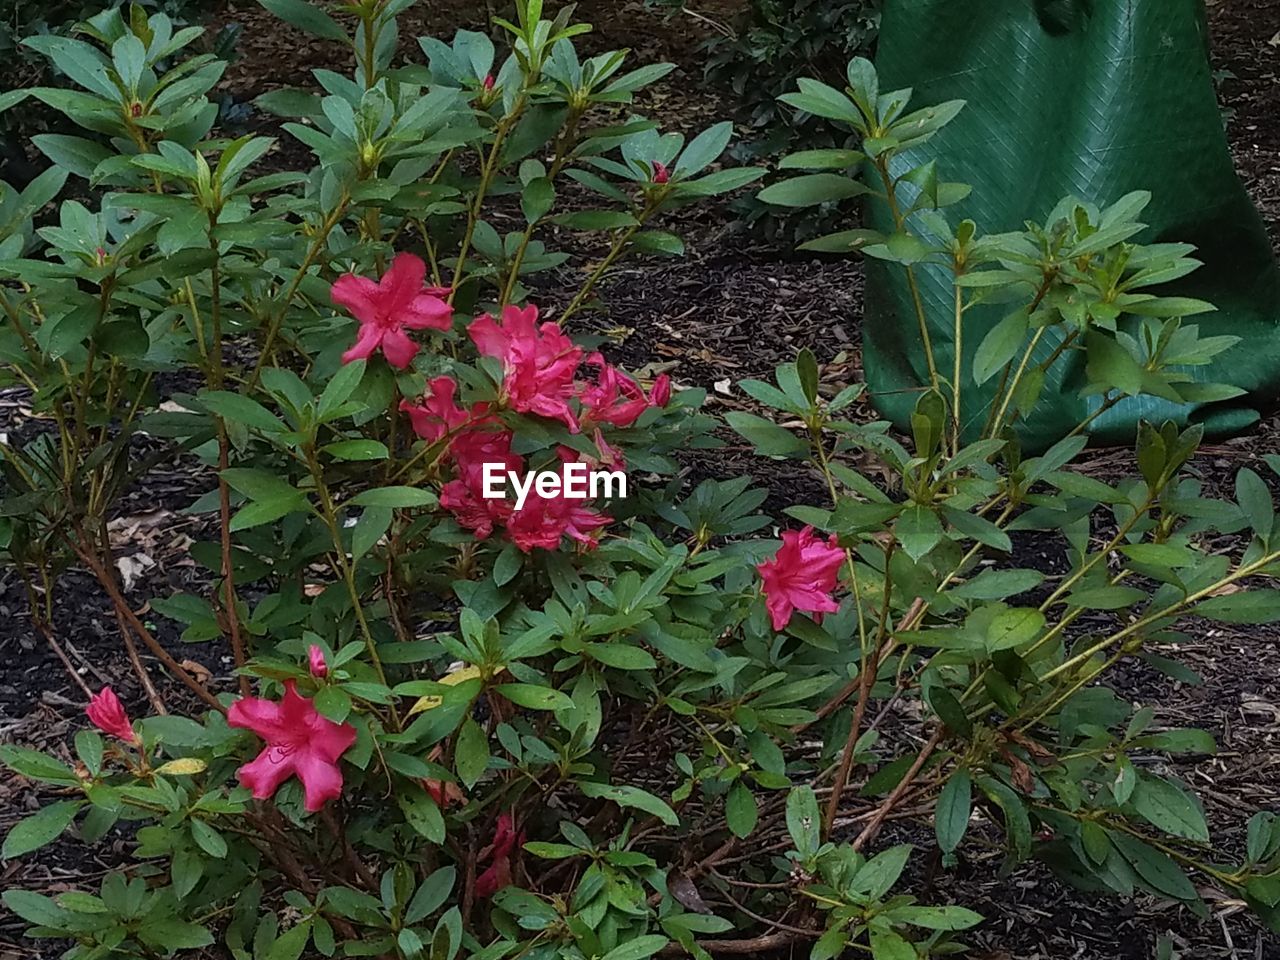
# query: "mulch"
[[732, 308]]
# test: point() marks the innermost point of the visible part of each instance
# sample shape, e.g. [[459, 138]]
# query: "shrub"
[[493, 729]]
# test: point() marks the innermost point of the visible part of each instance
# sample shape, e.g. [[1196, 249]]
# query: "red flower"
[[543, 521], [801, 576], [506, 841], [107, 714], [436, 414], [387, 308], [538, 362], [315, 660], [660, 172], [617, 399], [300, 743]]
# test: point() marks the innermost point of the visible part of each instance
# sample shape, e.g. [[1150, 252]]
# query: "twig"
[[871, 829], [754, 947], [153, 695], [44, 631]]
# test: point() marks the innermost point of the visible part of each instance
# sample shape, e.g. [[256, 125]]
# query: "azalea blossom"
[[801, 576], [388, 307], [436, 413], [660, 172], [107, 714], [538, 362], [544, 521], [506, 841], [316, 661], [617, 399], [464, 496], [300, 742]]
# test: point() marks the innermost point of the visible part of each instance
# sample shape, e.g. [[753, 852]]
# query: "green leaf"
[[397, 498], [803, 821], [955, 805], [631, 797], [239, 409], [888, 945], [471, 752], [432, 895], [637, 948], [534, 697], [1155, 868], [740, 810], [769, 439], [704, 149], [812, 189], [357, 450], [537, 199], [936, 918], [1168, 807], [1255, 501], [1014, 627], [949, 711], [1250, 607], [38, 829], [918, 530], [170, 933], [208, 839], [998, 584], [307, 17], [339, 389], [1000, 345]]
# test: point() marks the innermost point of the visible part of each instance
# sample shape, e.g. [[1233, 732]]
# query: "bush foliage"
[[609, 729]]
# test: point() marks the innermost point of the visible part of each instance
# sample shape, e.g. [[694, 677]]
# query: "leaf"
[[307, 17], [769, 439], [918, 530], [1000, 345], [432, 895], [538, 198], [998, 584], [803, 821], [208, 839], [397, 498], [471, 752], [182, 767], [534, 697], [357, 450], [949, 711], [1167, 806], [1014, 627], [704, 149], [1249, 607], [243, 410], [38, 829], [740, 810], [955, 805], [812, 189], [888, 945], [339, 388], [637, 948], [1255, 501], [936, 918], [631, 797], [1155, 868]]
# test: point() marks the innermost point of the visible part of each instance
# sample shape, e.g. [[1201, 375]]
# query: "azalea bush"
[[516, 723]]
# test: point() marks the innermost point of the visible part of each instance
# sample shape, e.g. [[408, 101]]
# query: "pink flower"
[[506, 841], [464, 495], [387, 308], [660, 172], [315, 660], [107, 714], [300, 743], [488, 81], [801, 576], [617, 399], [538, 362], [543, 521], [436, 414]]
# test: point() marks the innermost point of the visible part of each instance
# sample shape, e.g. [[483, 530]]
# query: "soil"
[[733, 307]]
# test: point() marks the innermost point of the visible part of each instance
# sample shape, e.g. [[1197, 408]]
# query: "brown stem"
[[144, 678], [228, 579], [122, 605], [756, 946], [44, 631], [866, 682], [873, 827]]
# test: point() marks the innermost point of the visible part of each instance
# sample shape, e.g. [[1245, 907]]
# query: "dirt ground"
[[732, 308]]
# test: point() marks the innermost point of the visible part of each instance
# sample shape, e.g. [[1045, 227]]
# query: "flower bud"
[[107, 714], [315, 659], [135, 109], [660, 172], [489, 82]]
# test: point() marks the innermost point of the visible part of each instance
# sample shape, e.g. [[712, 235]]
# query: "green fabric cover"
[[1091, 98]]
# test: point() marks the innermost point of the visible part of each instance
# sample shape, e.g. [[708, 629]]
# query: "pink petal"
[[321, 778], [428, 313], [263, 717], [489, 338], [367, 341], [358, 295], [263, 776], [403, 281], [398, 348]]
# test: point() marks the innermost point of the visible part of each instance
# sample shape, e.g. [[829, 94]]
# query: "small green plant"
[[472, 724]]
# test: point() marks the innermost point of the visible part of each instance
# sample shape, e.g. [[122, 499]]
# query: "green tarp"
[[1091, 98]]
